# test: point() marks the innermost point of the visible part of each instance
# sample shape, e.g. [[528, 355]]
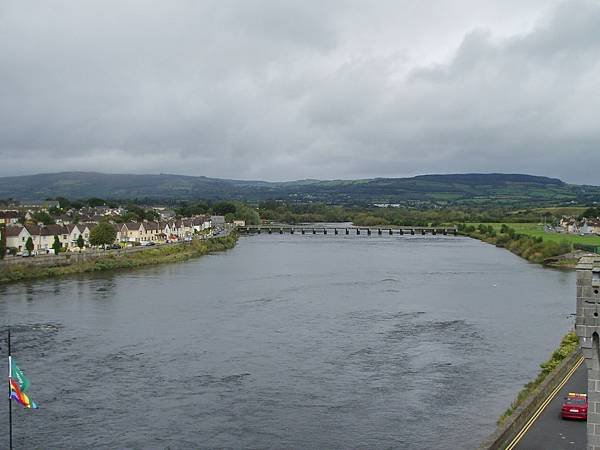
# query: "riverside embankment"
[[533, 249], [54, 266]]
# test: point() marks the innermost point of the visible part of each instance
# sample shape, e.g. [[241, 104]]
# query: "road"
[[549, 431]]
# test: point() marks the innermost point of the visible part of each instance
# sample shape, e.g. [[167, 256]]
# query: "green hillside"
[[460, 189]]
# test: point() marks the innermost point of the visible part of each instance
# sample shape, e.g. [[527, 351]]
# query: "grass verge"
[[537, 231], [152, 256]]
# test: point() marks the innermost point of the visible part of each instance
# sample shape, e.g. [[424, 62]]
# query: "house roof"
[[9, 214], [71, 227], [89, 225], [34, 230], [53, 230], [13, 231], [132, 225], [151, 226]]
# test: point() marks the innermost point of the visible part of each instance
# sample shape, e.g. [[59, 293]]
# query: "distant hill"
[[460, 189]]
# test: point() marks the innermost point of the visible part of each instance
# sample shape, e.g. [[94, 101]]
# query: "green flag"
[[19, 376]]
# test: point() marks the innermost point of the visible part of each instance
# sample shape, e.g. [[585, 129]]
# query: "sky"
[[285, 89]]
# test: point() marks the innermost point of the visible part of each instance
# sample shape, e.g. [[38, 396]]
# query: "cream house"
[[43, 236], [174, 230], [86, 229], [74, 233], [569, 224], [132, 232], [187, 228], [16, 237], [152, 232]]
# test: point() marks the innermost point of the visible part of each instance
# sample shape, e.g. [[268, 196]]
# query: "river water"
[[286, 342]]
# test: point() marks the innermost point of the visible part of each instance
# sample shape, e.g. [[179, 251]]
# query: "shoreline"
[[529, 249], [148, 257]]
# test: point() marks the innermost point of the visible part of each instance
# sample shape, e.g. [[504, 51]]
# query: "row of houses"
[[132, 232], [570, 224], [162, 231], [9, 217], [43, 236], [27, 210]]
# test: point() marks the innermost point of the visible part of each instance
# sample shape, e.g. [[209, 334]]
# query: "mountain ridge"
[[465, 188]]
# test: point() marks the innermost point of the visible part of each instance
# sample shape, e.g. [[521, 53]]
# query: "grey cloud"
[[287, 90]]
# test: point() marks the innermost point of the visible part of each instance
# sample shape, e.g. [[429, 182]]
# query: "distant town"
[[573, 225], [47, 227]]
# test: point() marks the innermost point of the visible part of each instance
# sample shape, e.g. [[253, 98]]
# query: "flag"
[[19, 385]]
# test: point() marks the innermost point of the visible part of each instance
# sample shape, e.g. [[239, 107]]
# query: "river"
[[286, 342]]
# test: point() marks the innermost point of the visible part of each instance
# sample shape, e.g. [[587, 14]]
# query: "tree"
[[29, 244], [103, 234], [80, 242], [56, 245], [43, 217], [247, 214], [2, 241], [94, 201], [223, 208], [250, 216], [63, 202], [135, 213]]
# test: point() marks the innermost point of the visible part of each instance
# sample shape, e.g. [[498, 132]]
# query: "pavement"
[[549, 431]]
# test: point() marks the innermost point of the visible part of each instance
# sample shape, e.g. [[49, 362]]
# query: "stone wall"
[[588, 329]]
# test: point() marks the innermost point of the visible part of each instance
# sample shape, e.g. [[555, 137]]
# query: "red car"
[[575, 406]]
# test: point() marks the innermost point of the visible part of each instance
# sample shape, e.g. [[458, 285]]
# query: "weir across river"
[[352, 230]]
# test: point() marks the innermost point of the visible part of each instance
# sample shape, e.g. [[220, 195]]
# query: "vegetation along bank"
[[151, 256], [533, 248], [568, 345]]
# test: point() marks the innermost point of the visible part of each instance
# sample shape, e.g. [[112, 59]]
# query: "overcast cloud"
[[282, 90]]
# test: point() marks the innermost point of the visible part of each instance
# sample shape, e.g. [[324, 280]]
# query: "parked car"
[[575, 406], [115, 247], [26, 254]]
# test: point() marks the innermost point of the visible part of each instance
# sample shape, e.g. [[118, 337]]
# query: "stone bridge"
[[352, 230]]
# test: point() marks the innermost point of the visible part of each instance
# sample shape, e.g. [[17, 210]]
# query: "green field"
[[537, 230]]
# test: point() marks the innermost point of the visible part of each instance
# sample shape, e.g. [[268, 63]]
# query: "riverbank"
[[533, 249], [151, 256], [568, 346]]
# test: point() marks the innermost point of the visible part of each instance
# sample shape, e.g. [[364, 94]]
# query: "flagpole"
[[9, 392]]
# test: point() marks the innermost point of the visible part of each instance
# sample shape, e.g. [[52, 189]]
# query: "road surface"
[[549, 431]]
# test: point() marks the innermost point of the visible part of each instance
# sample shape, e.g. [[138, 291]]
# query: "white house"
[[590, 226], [16, 237]]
